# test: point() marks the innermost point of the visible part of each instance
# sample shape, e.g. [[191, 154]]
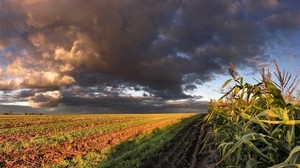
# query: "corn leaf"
[[251, 163], [292, 160], [226, 83], [275, 92], [287, 122]]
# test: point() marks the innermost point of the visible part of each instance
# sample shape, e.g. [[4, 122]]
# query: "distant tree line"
[[11, 113]]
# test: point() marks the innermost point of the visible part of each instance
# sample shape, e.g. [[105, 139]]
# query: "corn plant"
[[254, 125]]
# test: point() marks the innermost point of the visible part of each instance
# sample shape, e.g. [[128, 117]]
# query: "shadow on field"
[[150, 150]]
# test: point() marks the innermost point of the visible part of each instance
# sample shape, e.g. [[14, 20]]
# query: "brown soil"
[[36, 157], [184, 150]]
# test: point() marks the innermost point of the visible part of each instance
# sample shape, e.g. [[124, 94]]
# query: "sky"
[[94, 56]]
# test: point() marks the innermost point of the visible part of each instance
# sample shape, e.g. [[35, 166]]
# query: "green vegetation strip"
[[60, 122], [139, 151], [59, 126], [44, 123]]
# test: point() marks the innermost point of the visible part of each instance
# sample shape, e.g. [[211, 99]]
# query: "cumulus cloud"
[[18, 76], [285, 21], [46, 79], [16, 68], [10, 84], [164, 47], [49, 98]]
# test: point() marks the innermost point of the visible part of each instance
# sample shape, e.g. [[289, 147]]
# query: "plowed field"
[[48, 140]]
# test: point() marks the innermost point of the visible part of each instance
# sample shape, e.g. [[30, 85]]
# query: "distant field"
[[60, 140]]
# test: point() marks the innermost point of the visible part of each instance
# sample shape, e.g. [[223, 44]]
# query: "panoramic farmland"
[[72, 140], [55, 140], [145, 83]]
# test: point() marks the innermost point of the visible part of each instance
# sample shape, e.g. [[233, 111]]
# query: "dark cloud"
[[285, 21], [161, 47], [131, 104], [49, 98], [25, 94]]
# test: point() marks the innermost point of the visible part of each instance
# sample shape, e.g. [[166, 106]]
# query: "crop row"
[[45, 150], [53, 138], [16, 121], [62, 124]]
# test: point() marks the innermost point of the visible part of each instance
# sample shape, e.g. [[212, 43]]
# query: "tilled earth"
[[184, 150], [36, 157]]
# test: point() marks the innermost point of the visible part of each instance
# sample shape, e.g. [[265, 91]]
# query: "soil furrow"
[[34, 157], [182, 151]]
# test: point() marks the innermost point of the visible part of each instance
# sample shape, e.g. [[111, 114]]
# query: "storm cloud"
[[65, 50]]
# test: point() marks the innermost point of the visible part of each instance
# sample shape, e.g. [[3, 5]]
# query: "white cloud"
[[46, 79]]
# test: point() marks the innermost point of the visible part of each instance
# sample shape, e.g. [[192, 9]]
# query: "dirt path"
[[183, 151]]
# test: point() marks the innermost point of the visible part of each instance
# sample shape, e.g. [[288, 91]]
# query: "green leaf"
[[292, 160], [236, 90], [287, 122], [244, 140], [252, 147], [226, 83], [275, 92], [227, 93], [270, 113], [251, 163]]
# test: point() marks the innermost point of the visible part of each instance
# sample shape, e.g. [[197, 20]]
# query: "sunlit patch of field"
[[46, 140]]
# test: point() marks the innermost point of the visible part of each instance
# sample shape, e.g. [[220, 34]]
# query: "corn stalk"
[[255, 125]]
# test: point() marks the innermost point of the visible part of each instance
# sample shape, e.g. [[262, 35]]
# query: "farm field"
[[78, 140]]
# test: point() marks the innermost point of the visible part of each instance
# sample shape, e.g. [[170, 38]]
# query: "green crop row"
[[60, 126], [58, 123], [16, 121]]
